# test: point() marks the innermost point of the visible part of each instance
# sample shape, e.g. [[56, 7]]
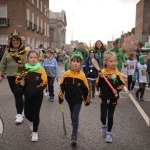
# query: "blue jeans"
[[74, 111], [51, 86]]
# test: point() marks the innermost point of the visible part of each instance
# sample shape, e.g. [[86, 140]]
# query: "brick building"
[[142, 25], [58, 25], [128, 40], [28, 17]]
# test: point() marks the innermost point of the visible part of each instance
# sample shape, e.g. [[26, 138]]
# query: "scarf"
[[33, 68], [16, 56]]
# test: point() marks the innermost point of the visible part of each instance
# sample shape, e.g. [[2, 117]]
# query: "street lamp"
[[72, 29]]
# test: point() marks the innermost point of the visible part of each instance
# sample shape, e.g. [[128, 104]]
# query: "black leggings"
[[18, 96], [107, 110], [32, 110], [74, 111], [141, 89], [130, 83]]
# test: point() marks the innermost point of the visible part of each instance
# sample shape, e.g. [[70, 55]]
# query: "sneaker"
[[137, 95], [97, 93], [34, 136], [129, 92], [19, 119], [108, 137], [74, 141], [46, 94], [31, 126], [132, 91], [141, 99], [104, 131], [51, 99]]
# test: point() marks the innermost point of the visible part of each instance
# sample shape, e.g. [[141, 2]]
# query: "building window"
[[3, 11], [3, 40], [32, 1], [37, 23], [37, 3], [45, 28], [52, 35], [33, 20], [41, 25], [41, 6], [3, 15], [48, 30], [28, 14]]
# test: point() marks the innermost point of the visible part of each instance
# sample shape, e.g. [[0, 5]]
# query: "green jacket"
[[84, 53], [9, 65], [120, 56]]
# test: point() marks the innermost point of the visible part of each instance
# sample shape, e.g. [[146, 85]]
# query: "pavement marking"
[[139, 108], [6, 93]]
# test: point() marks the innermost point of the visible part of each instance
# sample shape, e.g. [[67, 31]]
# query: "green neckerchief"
[[33, 68]]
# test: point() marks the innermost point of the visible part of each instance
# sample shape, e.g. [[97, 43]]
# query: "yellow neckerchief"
[[112, 74], [16, 56]]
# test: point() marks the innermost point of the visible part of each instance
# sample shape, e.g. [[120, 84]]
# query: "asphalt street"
[[130, 130]]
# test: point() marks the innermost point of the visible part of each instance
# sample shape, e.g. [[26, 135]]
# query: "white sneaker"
[[97, 93], [34, 136], [46, 94], [19, 119], [31, 126]]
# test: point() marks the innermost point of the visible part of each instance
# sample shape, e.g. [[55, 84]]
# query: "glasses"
[[15, 41]]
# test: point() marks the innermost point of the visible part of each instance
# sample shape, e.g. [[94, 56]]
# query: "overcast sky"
[[96, 19]]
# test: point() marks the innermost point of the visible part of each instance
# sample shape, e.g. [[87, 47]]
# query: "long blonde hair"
[[106, 56]]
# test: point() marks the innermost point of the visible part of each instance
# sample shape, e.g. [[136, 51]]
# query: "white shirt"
[[131, 64], [142, 78]]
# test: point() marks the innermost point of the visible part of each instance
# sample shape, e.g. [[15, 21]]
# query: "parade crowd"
[[31, 74]]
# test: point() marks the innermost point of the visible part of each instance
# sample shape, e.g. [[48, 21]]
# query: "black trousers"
[[18, 95], [107, 112], [51, 86], [141, 89], [32, 110], [130, 83], [74, 111]]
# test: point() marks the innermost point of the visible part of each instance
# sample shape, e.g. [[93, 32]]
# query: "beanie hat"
[[141, 59], [117, 40], [91, 51]]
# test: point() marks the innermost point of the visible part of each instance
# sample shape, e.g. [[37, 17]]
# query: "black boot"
[[74, 140]]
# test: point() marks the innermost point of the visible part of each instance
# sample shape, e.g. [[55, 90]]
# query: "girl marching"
[[108, 98]]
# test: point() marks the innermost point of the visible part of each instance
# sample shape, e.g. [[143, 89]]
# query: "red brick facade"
[[29, 18]]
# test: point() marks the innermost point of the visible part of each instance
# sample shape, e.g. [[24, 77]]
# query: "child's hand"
[[87, 103], [101, 75], [115, 92], [22, 82]]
